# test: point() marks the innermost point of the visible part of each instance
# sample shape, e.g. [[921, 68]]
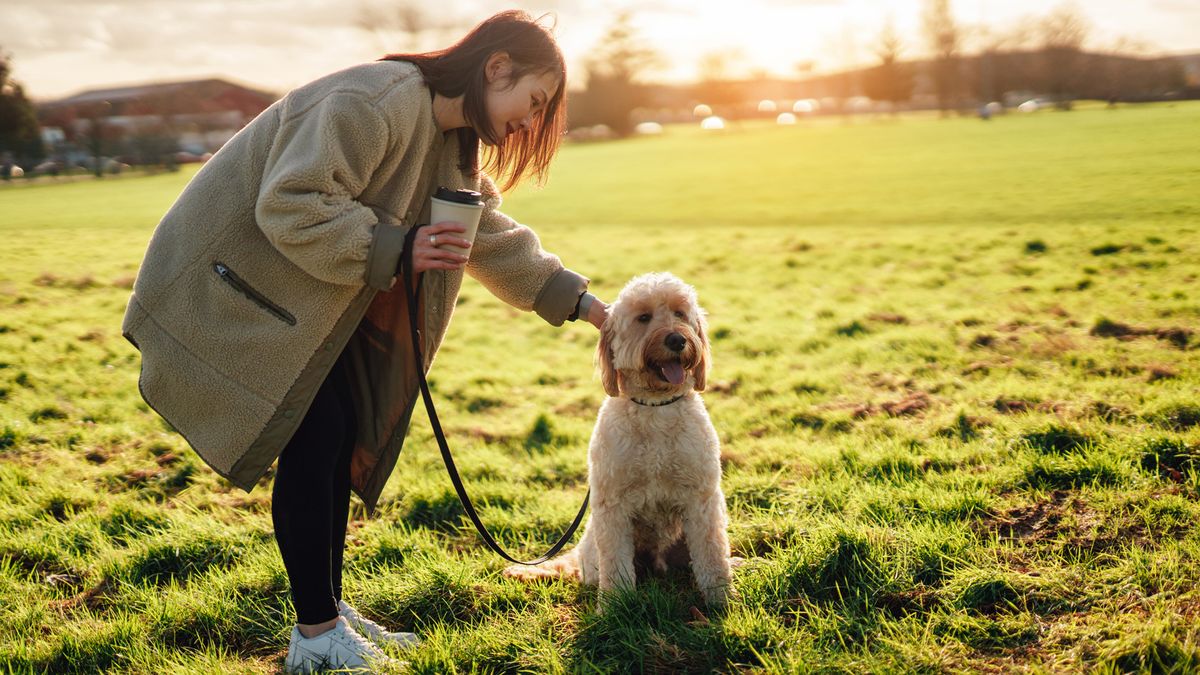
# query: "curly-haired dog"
[[654, 459]]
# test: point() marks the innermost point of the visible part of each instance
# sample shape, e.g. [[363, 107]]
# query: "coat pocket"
[[254, 296]]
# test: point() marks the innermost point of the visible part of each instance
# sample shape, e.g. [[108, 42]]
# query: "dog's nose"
[[675, 342]]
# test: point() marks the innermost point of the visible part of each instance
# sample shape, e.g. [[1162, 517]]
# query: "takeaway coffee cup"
[[458, 206]]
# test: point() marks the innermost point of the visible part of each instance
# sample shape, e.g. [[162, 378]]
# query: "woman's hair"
[[459, 70]]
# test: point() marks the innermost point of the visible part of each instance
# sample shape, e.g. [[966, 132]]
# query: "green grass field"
[[955, 376]]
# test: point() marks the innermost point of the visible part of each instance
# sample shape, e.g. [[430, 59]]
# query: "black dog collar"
[[655, 405]]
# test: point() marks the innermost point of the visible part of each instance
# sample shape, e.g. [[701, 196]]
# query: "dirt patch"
[[888, 317], [488, 436], [880, 380], [730, 458], [1158, 371], [724, 387], [910, 405], [1033, 522], [917, 600], [1053, 345], [1108, 412], [1014, 406], [50, 280], [1178, 337], [94, 599], [1064, 521]]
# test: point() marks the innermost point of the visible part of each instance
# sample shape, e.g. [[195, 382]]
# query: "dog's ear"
[[604, 357], [700, 372]]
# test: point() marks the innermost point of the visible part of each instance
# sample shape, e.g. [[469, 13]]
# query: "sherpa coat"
[[281, 252]]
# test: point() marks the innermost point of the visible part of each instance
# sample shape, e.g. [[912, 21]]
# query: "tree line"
[[1041, 56]]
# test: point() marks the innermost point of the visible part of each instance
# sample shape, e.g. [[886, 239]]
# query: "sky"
[[61, 47]]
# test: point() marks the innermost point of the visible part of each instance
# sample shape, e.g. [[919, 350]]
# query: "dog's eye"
[[643, 318], [680, 314]]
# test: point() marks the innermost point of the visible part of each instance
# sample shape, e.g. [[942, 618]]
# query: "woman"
[[265, 309]]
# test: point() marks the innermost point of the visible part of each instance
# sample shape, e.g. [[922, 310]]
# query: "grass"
[[955, 375]]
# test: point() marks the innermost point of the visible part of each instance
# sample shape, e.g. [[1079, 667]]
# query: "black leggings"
[[310, 503]]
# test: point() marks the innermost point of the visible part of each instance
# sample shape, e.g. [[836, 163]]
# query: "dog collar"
[[655, 405]]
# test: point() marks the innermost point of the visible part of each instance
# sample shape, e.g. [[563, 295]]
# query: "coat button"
[[328, 346]]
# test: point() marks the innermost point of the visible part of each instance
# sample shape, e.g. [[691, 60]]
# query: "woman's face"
[[513, 106]]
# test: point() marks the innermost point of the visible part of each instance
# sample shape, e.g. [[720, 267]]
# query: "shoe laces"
[[352, 638], [361, 622]]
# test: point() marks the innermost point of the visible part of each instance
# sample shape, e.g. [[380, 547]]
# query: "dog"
[[654, 464]]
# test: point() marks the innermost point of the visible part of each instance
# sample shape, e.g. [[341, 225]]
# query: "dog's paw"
[[718, 597], [526, 573]]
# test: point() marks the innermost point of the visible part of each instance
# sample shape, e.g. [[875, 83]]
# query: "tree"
[[891, 80], [404, 26], [1002, 66], [716, 86], [1063, 33], [944, 38], [19, 133], [612, 73]]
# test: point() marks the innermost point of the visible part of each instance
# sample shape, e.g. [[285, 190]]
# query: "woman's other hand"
[[427, 256], [597, 313]]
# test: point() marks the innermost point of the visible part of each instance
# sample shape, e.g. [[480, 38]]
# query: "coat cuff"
[[558, 297], [383, 259]]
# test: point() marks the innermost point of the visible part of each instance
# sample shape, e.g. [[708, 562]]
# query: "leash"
[[441, 437]]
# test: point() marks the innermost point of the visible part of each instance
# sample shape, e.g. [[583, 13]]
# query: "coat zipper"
[[257, 298]]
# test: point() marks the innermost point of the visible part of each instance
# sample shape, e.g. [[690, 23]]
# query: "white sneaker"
[[339, 648], [373, 631]]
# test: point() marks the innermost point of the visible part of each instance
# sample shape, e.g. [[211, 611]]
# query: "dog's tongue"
[[673, 372]]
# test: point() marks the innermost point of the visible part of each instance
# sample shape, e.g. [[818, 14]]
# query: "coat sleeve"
[[307, 207], [508, 259]]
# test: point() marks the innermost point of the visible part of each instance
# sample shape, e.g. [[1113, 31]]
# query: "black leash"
[[441, 438]]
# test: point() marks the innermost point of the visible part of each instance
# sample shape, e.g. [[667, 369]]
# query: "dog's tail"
[[565, 566]]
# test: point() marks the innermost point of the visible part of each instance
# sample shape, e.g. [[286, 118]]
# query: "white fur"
[[654, 471]]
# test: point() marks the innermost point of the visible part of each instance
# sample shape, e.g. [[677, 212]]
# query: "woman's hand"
[[597, 313], [427, 256]]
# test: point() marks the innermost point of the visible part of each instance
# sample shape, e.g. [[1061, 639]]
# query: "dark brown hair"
[[459, 70]]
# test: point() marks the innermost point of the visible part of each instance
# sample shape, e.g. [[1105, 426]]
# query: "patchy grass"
[[956, 403]]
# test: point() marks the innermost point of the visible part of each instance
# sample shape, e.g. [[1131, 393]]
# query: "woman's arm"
[[597, 313], [508, 259], [322, 158]]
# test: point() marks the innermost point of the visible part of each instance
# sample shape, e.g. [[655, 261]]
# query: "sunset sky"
[[61, 47]]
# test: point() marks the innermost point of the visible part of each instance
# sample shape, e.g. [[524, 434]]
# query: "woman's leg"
[[306, 503], [341, 479]]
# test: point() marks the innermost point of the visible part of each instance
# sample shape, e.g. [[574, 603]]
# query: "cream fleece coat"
[[281, 253]]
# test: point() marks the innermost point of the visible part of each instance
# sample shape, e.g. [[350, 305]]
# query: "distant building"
[[196, 116], [1191, 69]]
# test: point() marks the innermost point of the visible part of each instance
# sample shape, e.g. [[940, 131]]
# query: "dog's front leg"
[[708, 545], [614, 543]]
